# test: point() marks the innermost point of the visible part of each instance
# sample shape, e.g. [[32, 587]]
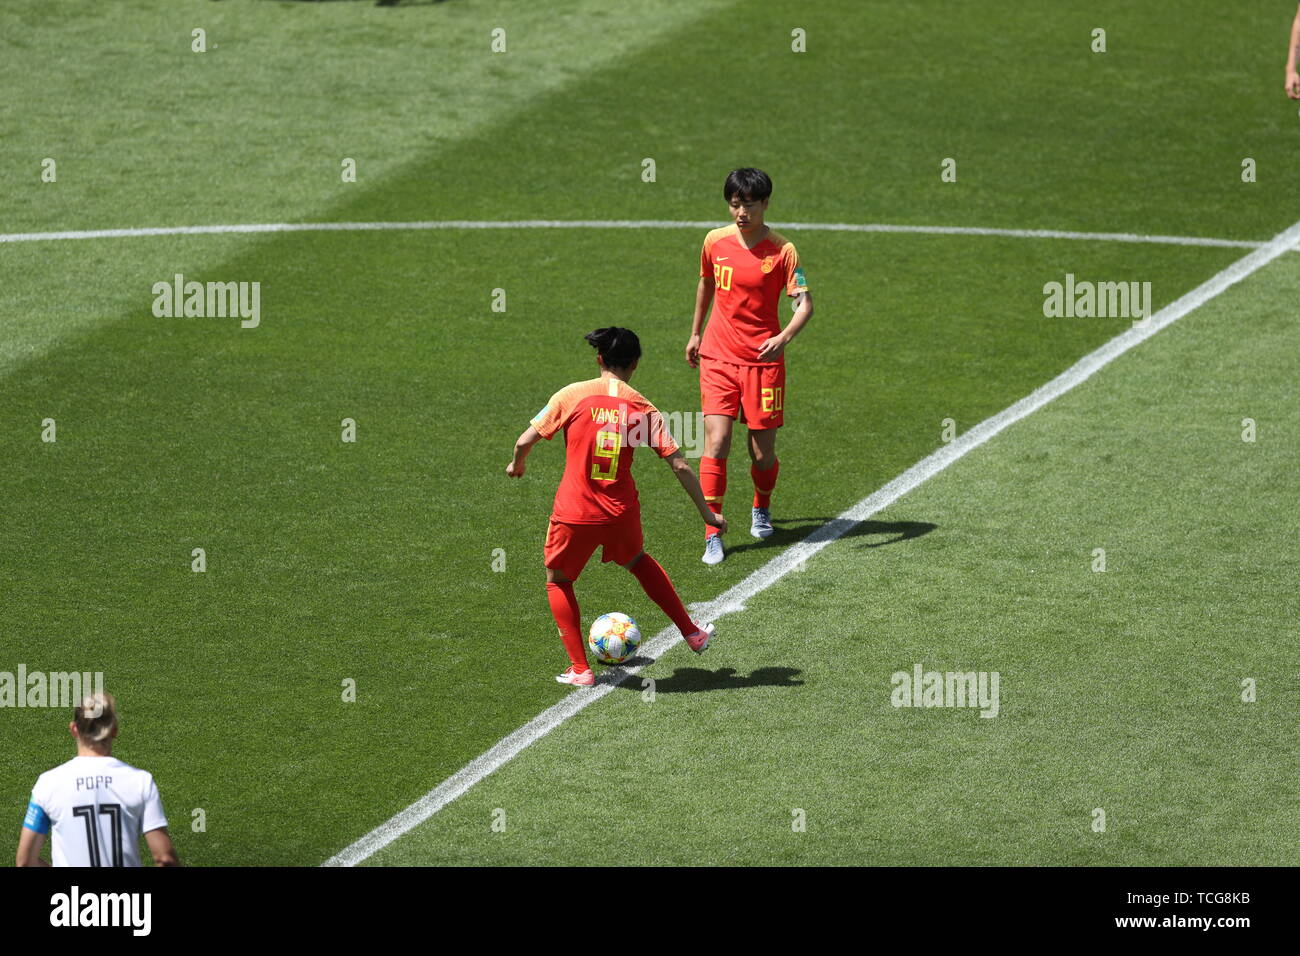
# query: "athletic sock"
[[654, 579], [564, 608], [713, 482], [764, 484]]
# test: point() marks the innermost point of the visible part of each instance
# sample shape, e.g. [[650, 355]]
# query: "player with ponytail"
[[95, 806], [604, 420]]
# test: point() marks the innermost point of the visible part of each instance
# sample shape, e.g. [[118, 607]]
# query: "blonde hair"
[[96, 718]]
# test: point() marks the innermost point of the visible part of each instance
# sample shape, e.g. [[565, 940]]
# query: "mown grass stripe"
[[794, 556]]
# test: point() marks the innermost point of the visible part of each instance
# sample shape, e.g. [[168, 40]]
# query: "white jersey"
[[97, 807]]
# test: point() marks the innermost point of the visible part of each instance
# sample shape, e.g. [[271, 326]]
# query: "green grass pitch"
[[372, 562]]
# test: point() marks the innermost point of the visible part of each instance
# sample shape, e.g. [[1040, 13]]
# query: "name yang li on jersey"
[[636, 430]]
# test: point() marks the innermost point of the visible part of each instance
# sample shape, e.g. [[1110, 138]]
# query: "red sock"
[[764, 484], [654, 579], [564, 607], [713, 482]]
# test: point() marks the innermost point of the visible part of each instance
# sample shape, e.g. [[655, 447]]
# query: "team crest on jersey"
[[768, 264]]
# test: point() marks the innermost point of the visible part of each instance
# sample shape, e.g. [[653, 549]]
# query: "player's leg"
[[763, 405], [713, 479], [720, 402], [713, 464], [567, 549], [659, 588], [763, 469]]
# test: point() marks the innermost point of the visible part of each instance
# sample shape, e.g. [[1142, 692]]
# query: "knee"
[[717, 436]]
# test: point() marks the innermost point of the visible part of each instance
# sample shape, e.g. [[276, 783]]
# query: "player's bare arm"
[[523, 445], [703, 300], [160, 848], [29, 848], [773, 347], [1293, 78], [686, 475]]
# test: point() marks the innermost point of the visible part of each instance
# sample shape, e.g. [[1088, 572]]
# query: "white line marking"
[[734, 598], [611, 224], [1022, 234]]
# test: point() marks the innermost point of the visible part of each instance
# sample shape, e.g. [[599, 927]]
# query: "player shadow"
[[792, 530], [691, 680]]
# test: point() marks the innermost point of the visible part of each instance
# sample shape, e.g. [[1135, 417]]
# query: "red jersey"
[[603, 419], [749, 285]]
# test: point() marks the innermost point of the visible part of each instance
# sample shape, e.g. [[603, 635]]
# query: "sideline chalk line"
[[795, 555]]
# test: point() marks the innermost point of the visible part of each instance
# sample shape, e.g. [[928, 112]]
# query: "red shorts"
[[570, 546], [755, 392]]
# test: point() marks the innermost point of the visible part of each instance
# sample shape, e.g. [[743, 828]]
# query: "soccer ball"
[[614, 638]]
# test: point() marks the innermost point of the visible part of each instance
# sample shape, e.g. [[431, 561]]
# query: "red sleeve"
[[550, 419], [646, 428], [794, 278], [661, 440]]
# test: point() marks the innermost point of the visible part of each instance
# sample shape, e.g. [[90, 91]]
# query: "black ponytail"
[[618, 348]]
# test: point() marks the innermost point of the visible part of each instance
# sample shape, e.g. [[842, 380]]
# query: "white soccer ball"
[[614, 638]]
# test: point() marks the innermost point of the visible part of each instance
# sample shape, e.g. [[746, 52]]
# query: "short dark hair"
[[748, 183], [618, 348]]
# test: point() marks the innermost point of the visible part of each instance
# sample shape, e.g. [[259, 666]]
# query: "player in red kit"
[[604, 421], [744, 269]]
